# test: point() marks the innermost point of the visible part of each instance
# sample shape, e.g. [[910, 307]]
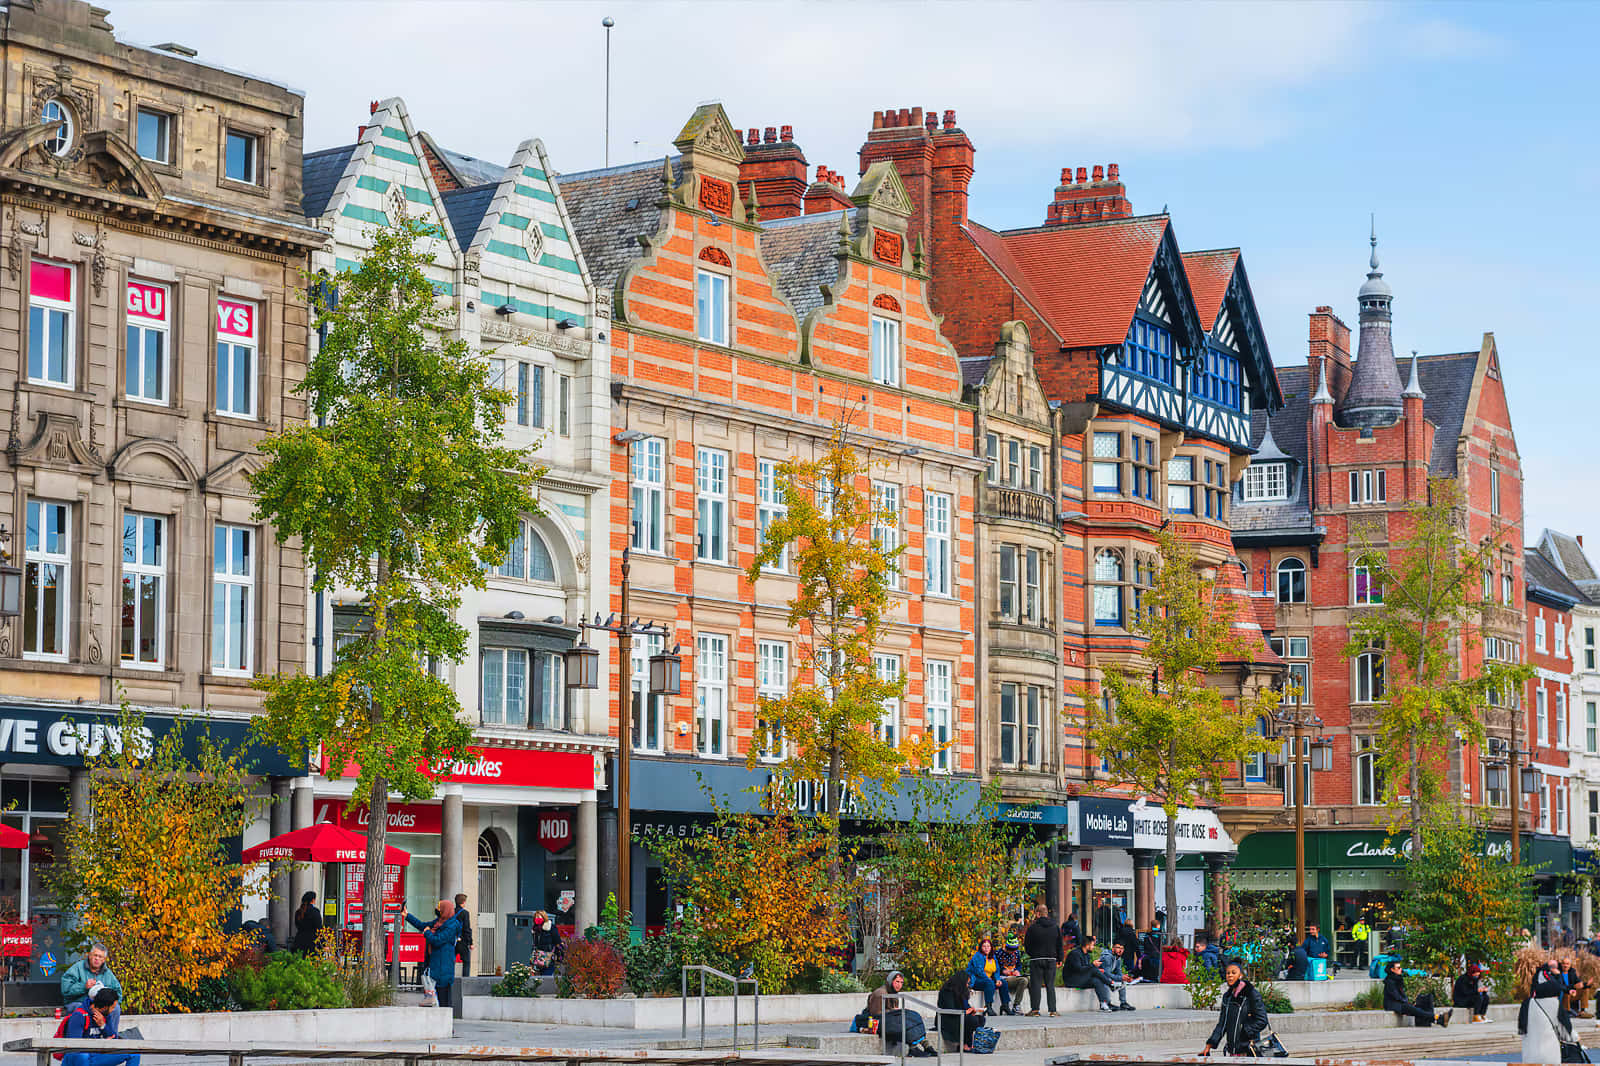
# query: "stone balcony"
[[1017, 505]]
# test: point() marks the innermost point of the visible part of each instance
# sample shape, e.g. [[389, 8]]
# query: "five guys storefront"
[[43, 782]]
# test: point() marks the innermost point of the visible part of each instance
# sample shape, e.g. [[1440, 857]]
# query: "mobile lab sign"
[[70, 737]]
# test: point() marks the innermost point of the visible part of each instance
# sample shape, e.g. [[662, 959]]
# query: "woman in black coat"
[[1243, 1017], [307, 924], [955, 994]]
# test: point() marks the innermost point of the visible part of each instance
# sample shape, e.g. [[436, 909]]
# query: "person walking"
[[1468, 992], [957, 1029], [307, 925], [441, 935], [984, 969], [96, 1019], [1243, 1016], [1044, 943], [90, 973], [1395, 999], [898, 1026], [1082, 970], [464, 946], [1111, 960]]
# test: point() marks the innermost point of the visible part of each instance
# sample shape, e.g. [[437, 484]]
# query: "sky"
[[1469, 130]]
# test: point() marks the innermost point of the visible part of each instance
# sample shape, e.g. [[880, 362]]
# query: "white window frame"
[[886, 534], [1494, 491], [564, 405], [887, 668], [38, 332], [1033, 716], [547, 699], [711, 695], [1559, 630], [884, 355], [1014, 463], [1561, 719], [1544, 806], [1180, 484], [1009, 584], [1266, 482], [1371, 681], [1594, 813], [991, 453], [498, 710], [524, 380], [648, 708], [1369, 486], [38, 556], [1541, 710], [711, 505], [940, 673], [936, 544], [1591, 727], [1105, 467], [136, 574], [224, 578], [1538, 633], [1032, 560], [711, 317], [648, 465], [1560, 792], [1368, 790], [1035, 468], [140, 327], [770, 507], [229, 348], [1010, 719], [772, 683], [54, 110], [1284, 569]]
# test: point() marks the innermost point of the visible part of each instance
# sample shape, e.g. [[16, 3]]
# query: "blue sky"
[[1469, 129]]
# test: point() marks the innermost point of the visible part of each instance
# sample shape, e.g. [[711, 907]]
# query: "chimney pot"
[[373, 110], [360, 132], [905, 116], [753, 137], [1580, 540], [1115, 172], [1066, 175], [877, 120], [786, 133], [932, 122], [770, 135], [916, 116], [949, 119], [1083, 175], [1324, 310], [1099, 173]]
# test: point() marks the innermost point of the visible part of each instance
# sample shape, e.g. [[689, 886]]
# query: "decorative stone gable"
[[58, 441], [885, 210], [712, 154]]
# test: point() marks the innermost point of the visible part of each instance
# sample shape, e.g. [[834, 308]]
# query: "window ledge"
[[153, 406], [213, 415], [248, 188], [60, 666], [216, 680], [144, 673]]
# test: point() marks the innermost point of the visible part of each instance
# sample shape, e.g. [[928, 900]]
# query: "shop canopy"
[[12, 837], [323, 842]]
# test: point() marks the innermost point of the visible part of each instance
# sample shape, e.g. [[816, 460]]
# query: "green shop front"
[[1355, 875]]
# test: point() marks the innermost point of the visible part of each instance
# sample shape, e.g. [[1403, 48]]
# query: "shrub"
[[655, 964], [519, 980], [835, 983], [209, 994], [593, 968], [1203, 982], [1369, 999], [1276, 999], [290, 982]]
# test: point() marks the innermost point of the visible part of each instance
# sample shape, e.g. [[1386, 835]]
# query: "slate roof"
[[607, 229], [800, 253], [465, 208], [1543, 575], [319, 176], [471, 170], [1086, 279], [1447, 384], [1209, 274], [1567, 555], [974, 368]]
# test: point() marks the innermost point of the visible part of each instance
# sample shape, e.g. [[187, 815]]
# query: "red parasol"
[[323, 842], [12, 837]]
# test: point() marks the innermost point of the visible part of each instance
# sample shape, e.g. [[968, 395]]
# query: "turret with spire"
[[1373, 398]]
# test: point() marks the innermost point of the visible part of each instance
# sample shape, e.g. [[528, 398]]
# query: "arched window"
[[1255, 767], [56, 111], [527, 557], [1108, 588], [1369, 677], [1291, 581]]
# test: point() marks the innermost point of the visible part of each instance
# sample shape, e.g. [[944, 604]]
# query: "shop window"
[[1291, 581], [649, 493], [37, 807], [938, 702]]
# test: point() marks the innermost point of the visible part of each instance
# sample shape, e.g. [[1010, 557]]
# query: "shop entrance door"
[[484, 946]]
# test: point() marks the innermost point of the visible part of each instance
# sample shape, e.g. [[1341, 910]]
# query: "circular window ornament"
[[56, 111]]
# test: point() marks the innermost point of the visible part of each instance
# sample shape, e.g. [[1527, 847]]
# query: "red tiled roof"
[[1085, 280], [1209, 274]]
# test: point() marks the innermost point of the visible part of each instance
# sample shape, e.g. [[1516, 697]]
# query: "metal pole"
[[702, 1008], [608, 22], [1514, 787], [684, 980], [624, 750], [1299, 840]]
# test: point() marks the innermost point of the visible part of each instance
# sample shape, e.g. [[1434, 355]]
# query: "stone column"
[[1061, 877], [608, 857], [1217, 868], [78, 793], [586, 838], [281, 904], [450, 877], [306, 878], [1144, 888]]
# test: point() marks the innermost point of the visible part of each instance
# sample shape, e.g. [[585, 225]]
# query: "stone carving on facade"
[[496, 328], [93, 653], [97, 265], [716, 196], [887, 247], [533, 241], [57, 84], [602, 305], [471, 265], [58, 441]]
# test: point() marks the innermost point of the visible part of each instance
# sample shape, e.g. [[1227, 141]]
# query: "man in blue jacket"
[[96, 1019], [441, 935], [1317, 946]]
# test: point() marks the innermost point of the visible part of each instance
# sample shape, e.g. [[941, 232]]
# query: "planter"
[[342, 1026], [667, 1013]]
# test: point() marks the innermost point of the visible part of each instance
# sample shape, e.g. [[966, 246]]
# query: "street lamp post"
[[10, 579], [1320, 757]]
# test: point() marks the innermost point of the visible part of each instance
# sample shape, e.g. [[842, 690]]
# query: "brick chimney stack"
[[1086, 198], [934, 158], [1330, 344], [827, 193], [777, 167]]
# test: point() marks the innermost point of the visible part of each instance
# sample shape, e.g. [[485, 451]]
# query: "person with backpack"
[[94, 1019], [464, 945]]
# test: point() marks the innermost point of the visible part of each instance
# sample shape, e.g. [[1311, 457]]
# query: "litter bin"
[[519, 937]]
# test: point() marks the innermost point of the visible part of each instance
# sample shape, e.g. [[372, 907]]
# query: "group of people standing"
[[446, 938]]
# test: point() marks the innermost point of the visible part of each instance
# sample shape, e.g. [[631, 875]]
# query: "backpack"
[[61, 1030]]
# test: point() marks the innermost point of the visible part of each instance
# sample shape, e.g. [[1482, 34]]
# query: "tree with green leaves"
[[830, 723], [400, 491], [1430, 591], [1465, 898], [1168, 732]]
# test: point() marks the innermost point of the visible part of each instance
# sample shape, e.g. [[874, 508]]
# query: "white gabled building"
[[515, 829]]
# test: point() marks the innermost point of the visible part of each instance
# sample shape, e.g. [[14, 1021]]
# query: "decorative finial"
[[1414, 386], [667, 180], [1374, 240], [919, 255], [752, 209], [1322, 395], [844, 231]]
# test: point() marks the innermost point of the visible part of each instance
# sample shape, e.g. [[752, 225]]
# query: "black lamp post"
[[1320, 757]]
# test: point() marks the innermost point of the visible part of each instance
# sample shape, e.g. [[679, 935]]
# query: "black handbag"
[[1266, 1045]]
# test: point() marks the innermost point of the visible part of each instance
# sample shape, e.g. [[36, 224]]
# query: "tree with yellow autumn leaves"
[[149, 874]]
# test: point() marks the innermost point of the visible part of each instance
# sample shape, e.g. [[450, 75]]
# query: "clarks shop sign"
[[68, 737]]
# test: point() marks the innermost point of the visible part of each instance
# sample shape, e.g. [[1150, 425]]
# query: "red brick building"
[[743, 328], [1548, 732]]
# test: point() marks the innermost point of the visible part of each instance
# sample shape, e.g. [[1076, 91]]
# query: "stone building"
[[152, 330], [744, 329], [513, 285]]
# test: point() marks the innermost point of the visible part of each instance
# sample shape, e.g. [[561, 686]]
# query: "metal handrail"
[[737, 983], [938, 1012]]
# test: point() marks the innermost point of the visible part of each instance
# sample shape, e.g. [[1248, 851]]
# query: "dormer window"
[[1264, 482]]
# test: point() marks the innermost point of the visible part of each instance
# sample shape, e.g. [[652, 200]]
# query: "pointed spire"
[[1373, 396], [844, 231], [1414, 386], [667, 180], [1268, 448], [1374, 240], [1322, 394], [752, 210]]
